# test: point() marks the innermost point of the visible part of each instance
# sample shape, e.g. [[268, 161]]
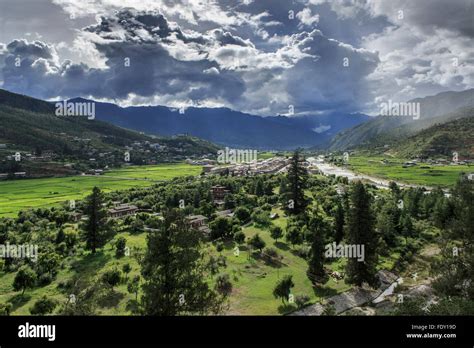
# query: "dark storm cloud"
[[255, 56], [137, 62]]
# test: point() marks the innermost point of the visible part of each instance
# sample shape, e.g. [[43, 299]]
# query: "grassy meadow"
[[252, 277], [16, 195]]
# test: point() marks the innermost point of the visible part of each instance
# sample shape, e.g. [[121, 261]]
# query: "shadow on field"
[[321, 291], [285, 308], [18, 301], [89, 265], [282, 246], [110, 299]]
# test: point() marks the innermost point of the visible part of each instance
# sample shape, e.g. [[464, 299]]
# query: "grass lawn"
[[254, 279], [421, 174], [16, 195]]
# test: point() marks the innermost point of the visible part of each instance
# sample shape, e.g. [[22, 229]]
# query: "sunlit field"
[[16, 195]]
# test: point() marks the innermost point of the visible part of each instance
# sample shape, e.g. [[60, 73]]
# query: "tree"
[[243, 214], [283, 288], [43, 306], [319, 229], [257, 242], [360, 228], [276, 232], [223, 285], [5, 308], [406, 225], [388, 223], [339, 222], [48, 263], [297, 177], [175, 272], [394, 190], [24, 278], [261, 218], [455, 269], [219, 246], [137, 226], [95, 229], [120, 246], [60, 236], [259, 188], [239, 237], [126, 269], [111, 278], [221, 228], [133, 286], [293, 235]]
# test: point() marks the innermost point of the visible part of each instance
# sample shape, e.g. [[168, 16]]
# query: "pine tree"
[[455, 268], [319, 228], [283, 287], [361, 232], [388, 223], [339, 222], [174, 271], [95, 229], [297, 177], [259, 188]]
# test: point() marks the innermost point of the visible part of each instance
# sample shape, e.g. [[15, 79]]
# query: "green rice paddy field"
[[16, 195], [421, 174]]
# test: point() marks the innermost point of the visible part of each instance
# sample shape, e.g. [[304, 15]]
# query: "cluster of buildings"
[[269, 166], [198, 222]]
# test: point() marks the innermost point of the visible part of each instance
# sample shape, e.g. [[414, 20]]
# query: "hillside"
[[400, 134], [440, 108], [440, 140], [29, 126]]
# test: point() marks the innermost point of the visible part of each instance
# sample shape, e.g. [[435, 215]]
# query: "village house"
[[198, 222], [76, 217], [122, 210], [218, 192]]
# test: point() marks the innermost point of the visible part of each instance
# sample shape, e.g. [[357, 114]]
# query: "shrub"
[[239, 237], [301, 300], [223, 285], [257, 242], [112, 278], [120, 246], [43, 306], [243, 214]]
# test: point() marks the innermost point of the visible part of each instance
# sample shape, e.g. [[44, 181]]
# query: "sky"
[[263, 57]]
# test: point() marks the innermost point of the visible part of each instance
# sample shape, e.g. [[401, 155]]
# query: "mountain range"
[[30, 122], [228, 127]]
